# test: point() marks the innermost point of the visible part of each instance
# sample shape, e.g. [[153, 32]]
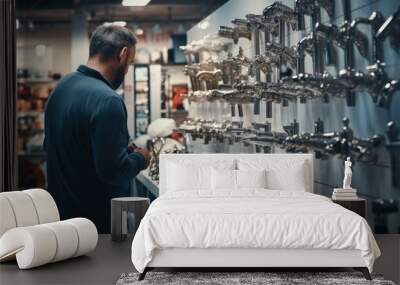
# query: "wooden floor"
[[110, 260]]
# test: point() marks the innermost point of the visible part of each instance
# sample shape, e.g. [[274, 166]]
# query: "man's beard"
[[119, 76]]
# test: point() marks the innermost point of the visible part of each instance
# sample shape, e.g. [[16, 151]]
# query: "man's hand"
[[146, 155], [131, 146]]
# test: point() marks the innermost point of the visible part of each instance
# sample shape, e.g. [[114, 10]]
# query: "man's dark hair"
[[108, 40]]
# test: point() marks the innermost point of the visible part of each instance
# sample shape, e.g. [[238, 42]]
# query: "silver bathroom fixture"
[[391, 28], [310, 7]]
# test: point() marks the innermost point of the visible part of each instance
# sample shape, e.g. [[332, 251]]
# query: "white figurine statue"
[[347, 174]]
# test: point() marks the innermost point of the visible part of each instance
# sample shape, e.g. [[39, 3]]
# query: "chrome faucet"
[[389, 89], [391, 28], [375, 20], [277, 12], [306, 45], [240, 30], [232, 67], [308, 7], [264, 63], [319, 85], [342, 35], [211, 79], [287, 54]]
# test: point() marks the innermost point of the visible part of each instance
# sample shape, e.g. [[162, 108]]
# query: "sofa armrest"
[[41, 244]]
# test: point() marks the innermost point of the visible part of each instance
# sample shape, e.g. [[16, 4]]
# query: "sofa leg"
[[143, 274], [364, 271]]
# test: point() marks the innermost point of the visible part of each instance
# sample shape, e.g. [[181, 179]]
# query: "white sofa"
[[31, 231]]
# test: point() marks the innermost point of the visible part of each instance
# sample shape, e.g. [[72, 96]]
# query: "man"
[[86, 136]]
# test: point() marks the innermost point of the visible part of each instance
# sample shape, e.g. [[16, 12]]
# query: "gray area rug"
[[243, 278]]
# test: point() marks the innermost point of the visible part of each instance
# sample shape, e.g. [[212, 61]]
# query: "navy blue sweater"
[[86, 140]]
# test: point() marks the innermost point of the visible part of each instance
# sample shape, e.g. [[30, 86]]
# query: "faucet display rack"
[[276, 72], [231, 71]]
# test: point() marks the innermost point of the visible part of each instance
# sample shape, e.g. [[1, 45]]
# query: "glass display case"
[[141, 78]]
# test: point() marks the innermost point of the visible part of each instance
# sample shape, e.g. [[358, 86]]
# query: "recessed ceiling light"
[[204, 24], [120, 23], [139, 31], [117, 23], [135, 2]]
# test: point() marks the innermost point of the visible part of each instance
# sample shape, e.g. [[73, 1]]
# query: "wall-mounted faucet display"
[[343, 34], [274, 72], [341, 143]]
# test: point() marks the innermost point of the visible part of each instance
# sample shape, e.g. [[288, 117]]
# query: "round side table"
[[126, 214]]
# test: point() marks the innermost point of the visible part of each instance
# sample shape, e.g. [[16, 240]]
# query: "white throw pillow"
[[189, 173], [183, 177], [291, 178], [251, 178], [281, 173], [223, 179]]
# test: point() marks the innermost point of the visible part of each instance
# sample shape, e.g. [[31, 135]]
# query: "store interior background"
[[53, 39]]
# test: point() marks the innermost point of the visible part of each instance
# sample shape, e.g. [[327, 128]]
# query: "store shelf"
[[29, 113], [35, 80], [141, 98], [30, 132], [173, 64]]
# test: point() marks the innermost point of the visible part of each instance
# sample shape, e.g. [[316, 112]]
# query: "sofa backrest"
[[26, 208], [264, 160]]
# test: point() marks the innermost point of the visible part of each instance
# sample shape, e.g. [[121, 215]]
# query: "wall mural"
[[304, 76]]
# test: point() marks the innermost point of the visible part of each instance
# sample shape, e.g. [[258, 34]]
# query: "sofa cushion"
[[41, 244]]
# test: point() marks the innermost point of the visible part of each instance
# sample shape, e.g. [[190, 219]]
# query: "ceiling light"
[[116, 23], [204, 25], [135, 2], [139, 31], [120, 23]]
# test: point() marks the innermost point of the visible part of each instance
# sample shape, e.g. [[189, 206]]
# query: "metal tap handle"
[[392, 131], [330, 32], [376, 20], [391, 87], [391, 27], [361, 42]]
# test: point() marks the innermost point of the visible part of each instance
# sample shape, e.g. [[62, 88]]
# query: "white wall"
[[57, 40], [155, 90], [79, 41]]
